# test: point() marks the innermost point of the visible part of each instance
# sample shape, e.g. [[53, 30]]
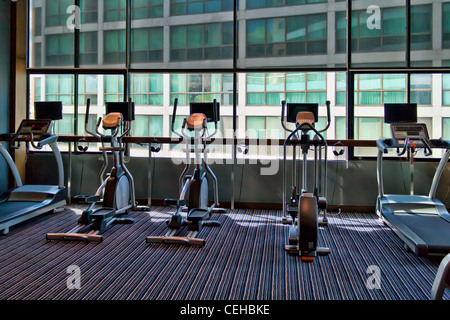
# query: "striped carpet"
[[242, 260]]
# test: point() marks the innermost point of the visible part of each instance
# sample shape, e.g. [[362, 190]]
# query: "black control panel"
[[35, 129], [412, 131]]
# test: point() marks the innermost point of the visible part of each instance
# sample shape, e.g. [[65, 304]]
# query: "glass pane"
[[255, 127], [394, 82], [275, 82], [52, 36], [378, 29], [255, 82], [55, 88], [341, 125], [288, 39], [156, 126], [295, 82], [317, 81], [429, 21], [446, 128]]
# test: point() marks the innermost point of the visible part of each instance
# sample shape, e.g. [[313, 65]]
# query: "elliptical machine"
[[117, 190], [197, 184], [304, 206]]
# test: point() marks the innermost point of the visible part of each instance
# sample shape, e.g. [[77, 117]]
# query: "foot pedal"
[[87, 199], [103, 213], [322, 203], [176, 222], [323, 222], [293, 236], [174, 202], [196, 215], [292, 209]]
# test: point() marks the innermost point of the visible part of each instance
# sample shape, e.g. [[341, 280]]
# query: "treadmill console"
[[33, 129], [413, 132]]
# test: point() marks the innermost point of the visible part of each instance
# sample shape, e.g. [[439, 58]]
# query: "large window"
[[296, 35], [115, 10], [148, 126], [88, 89], [182, 7], [113, 87], [201, 88], [56, 12], [147, 89], [446, 89], [376, 89], [147, 45], [293, 50], [55, 88], [390, 37], [88, 48], [89, 11], [446, 25], [255, 4], [210, 41], [420, 89], [272, 88], [145, 9], [59, 49], [114, 44]]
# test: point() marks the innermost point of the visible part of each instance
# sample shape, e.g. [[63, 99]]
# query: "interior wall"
[[354, 184], [4, 84]]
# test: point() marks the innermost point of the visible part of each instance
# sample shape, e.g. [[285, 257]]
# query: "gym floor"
[[242, 260]]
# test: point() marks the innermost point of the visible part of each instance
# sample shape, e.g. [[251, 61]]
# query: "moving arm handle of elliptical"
[[328, 103], [283, 108], [130, 112], [175, 104], [215, 120], [86, 120]]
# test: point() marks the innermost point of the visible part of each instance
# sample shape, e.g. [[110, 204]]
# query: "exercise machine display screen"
[[39, 129], [206, 108], [48, 110], [413, 131], [294, 108], [400, 112], [121, 107]]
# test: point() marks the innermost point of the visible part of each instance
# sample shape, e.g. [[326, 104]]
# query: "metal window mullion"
[[127, 82], [235, 79], [350, 110]]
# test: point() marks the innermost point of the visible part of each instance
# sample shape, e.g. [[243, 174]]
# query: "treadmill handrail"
[[442, 280], [440, 143], [11, 164], [438, 174], [383, 146]]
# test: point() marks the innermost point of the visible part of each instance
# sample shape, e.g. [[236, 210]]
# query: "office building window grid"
[[189, 88], [147, 9], [147, 89], [268, 38], [272, 88], [296, 35]]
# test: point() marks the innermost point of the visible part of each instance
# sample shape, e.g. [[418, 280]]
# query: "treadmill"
[[27, 201], [422, 222]]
